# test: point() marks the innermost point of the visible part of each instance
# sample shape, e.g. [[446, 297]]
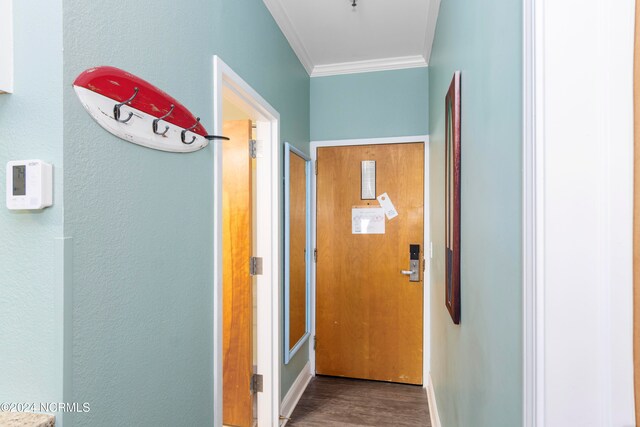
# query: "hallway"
[[347, 402]]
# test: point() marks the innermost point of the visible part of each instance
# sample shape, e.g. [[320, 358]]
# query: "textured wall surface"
[[477, 366], [141, 220], [370, 105], [31, 127]]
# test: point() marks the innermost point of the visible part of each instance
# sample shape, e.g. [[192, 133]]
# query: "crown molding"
[[432, 19], [370, 65], [283, 21], [397, 63]]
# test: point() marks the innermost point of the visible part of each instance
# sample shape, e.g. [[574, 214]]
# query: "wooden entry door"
[[237, 333], [369, 316]]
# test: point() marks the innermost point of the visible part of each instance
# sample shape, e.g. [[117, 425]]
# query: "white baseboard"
[[295, 393], [433, 408]]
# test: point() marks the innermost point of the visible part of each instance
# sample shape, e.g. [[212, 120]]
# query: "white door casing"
[[577, 207], [268, 240]]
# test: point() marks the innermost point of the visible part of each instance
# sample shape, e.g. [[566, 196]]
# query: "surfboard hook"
[[166, 128], [116, 108], [184, 133]]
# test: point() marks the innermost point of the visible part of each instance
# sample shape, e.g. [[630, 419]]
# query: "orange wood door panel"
[[297, 246], [369, 317], [237, 290]]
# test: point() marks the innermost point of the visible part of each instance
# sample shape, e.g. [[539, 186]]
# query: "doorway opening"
[[370, 259], [425, 250], [246, 255], [382, 273]]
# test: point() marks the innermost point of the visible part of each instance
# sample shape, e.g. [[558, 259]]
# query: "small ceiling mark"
[[353, 3]]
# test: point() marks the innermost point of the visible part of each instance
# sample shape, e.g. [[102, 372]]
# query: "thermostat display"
[[29, 184], [19, 180]]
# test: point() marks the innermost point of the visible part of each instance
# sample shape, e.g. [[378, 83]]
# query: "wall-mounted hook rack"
[[104, 90]]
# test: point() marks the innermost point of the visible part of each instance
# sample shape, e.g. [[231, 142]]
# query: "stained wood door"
[[237, 332], [369, 316]]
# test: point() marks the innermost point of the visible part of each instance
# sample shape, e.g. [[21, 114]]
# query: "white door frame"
[[577, 213], [532, 269], [268, 241], [426, 361]]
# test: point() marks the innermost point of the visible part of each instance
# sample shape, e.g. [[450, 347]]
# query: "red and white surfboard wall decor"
[[136, 111]]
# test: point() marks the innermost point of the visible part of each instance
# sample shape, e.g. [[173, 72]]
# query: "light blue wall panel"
[[370, 105], [141, 220], [477, 366], [31, 127]]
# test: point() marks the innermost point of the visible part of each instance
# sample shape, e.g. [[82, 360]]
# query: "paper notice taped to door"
[[387, 205], [367, 221]]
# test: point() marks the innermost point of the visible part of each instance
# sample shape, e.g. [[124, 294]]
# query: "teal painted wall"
[[141, 220], [370, 105], [31, 127], [477, 367]]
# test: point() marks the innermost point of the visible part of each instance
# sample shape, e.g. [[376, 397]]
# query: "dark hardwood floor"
[[330, 401]]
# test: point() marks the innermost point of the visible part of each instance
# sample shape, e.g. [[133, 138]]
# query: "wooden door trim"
[[268, 190], [427, 238]]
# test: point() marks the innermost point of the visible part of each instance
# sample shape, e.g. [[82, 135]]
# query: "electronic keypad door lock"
[[414, 264]]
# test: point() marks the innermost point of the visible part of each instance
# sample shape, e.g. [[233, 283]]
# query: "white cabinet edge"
[[6, 46]]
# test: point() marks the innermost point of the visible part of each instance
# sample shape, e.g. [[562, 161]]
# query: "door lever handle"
[[406, 272]]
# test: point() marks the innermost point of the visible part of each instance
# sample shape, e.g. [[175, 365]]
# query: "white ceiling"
[[332, 37]]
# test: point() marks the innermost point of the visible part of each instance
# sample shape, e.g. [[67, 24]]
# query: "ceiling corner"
[[432, 20], [282, 20]]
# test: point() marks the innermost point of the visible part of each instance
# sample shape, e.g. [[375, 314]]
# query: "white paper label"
[[387, 205], [367, 221]]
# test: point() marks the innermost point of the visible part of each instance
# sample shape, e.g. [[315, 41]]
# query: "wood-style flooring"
[[330, 401]]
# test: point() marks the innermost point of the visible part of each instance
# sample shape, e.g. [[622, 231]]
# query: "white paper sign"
[[387, 205], [367, 221]]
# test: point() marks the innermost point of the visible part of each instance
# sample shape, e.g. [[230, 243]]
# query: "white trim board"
[[366, 66], [532, 267], [578, 225], [226, 81], [6, 46], [433, 407], [294, 394], [426, 340]]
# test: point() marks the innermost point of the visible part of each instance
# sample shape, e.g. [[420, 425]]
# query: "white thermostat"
[[29, 184]]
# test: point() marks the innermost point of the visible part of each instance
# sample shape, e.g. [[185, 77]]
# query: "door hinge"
[[253, 151], [315, 255], [315, 342], [255, 266], [315, 167], [424, 265], [256, 384]]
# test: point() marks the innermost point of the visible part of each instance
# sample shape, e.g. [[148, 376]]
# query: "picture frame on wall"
[[452, 198]]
